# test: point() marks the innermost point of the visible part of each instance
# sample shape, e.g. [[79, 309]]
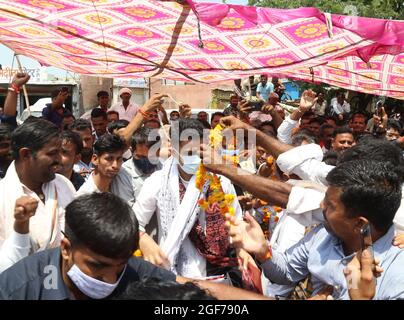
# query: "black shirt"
[[77, 180], [38, 277]]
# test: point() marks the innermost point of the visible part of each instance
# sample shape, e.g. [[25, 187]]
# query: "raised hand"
[[233, 123], [211, 159], [25, 208], [20, 79], [185, 111], [307, 100], [155, 102], [245, 108]]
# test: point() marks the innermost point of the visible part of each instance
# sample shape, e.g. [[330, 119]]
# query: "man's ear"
[[360, 222], [94, 159], [24, 153], [65, 249]]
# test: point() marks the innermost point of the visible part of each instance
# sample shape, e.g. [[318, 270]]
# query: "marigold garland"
[[137, 253], [217, 195], [266, 211]]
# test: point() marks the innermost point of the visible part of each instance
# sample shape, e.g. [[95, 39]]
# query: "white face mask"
[[227, 152], [91, 287], [191, 164]]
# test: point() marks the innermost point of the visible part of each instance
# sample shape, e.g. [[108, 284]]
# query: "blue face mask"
[[191, 164]]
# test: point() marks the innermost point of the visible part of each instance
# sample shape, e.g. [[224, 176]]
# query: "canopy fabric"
[[188, 41]]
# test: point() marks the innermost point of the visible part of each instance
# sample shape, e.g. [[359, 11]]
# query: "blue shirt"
[[264, 91], [321, 255]]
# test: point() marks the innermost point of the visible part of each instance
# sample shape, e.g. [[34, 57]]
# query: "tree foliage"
[[383, 9]]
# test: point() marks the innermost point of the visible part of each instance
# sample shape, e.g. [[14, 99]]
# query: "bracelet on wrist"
[[144, 114], [267, 256], [15, 88]]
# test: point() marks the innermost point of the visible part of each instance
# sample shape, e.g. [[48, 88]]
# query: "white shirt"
[[319, 109], [340, 109], [285, 130], [146, 206], [120, 186], [87, 114], [305, 161], [302, 210], [82, 167], [125, 114], [16, 247], [45, 226], [88, 187]]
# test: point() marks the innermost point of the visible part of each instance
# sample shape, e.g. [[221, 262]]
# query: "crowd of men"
[[316, 197]]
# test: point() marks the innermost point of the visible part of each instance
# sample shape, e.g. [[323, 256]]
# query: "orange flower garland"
[[202, 176], [267, 212], [137, 253]]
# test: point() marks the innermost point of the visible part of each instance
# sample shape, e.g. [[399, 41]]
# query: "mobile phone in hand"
[[366, 239]]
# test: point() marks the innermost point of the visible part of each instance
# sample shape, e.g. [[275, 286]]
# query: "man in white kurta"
[[305, 161], [15, 246], [161, 194], [36, 148], [126, 109], [173, 216]]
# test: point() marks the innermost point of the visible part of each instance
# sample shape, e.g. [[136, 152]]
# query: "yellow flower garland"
[[266, 211], [217, 195], [202, 176]]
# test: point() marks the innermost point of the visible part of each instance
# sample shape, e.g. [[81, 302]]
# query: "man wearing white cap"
[[126, 110]]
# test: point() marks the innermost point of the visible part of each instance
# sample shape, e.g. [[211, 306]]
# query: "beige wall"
[[196, 95], [139, 96], [89, 88]]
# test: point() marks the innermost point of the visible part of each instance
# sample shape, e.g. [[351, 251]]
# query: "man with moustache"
[[143, 162], [83, 127], [71, 149], [36, 147]]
